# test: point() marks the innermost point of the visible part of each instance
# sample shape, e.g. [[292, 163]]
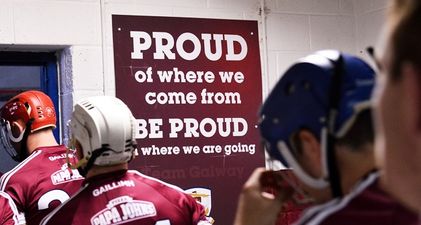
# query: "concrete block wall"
[[289, 29], [296, 28], [370, 17]]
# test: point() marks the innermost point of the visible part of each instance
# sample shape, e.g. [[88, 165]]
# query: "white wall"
[[289, 29], [296, 28], [370, 17]]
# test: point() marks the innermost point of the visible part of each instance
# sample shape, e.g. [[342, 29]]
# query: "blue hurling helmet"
[[323, 93]]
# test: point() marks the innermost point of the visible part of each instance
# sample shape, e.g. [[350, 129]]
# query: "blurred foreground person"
[[317, 121], [103, 133], [397, 103]]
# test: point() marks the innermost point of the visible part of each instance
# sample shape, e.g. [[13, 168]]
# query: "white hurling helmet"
[[104, 127]]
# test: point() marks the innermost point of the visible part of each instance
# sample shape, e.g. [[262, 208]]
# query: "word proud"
[[164, 43]]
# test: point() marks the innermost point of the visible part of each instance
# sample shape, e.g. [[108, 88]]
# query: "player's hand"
[[261, 198]]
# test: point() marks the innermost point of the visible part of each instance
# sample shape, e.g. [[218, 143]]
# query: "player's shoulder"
[[172, 193], [41, 161], [47, 157], [5, 199], [153, 181], [21, 172], [341, 209], [53, 152]]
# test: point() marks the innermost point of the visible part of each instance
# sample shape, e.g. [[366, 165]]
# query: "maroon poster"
[[194, 86]]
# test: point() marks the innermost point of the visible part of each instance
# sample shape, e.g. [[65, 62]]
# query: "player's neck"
[[41, 138], [354, 165], [98, 170]]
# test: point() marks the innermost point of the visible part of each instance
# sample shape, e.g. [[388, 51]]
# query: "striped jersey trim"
[[316, 214], [17, 217]]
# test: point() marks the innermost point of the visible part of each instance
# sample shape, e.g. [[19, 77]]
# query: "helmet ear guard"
[[104, 128], [322, 93]]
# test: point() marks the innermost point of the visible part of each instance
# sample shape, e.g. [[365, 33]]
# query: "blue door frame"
[[48, 74]]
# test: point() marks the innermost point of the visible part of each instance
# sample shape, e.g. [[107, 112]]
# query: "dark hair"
[[405, 34], [360, 134]]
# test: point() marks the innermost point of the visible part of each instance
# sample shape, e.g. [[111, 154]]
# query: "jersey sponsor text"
[[65, 175], [123, 209]]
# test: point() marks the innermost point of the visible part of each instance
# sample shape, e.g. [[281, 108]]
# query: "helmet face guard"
[[322, 93], [6, 138]]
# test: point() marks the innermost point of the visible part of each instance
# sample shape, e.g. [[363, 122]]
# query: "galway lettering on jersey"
[[62, 156], [108, 187], [123, 209]]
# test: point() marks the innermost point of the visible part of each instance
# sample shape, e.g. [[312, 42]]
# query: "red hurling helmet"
[[35, 109]]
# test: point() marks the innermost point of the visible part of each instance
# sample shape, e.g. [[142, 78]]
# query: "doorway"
[[22, 71]]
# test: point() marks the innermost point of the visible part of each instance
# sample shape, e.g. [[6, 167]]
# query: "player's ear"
[[310, 154]]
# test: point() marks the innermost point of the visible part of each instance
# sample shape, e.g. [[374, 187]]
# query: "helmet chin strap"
[[332, 167], [330, 170], [318, 183], [24, 152], [89, 161], [329, 162], [334, 101]]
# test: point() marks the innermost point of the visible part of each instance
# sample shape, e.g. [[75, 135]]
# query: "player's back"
[[41, 182], [131, 198]]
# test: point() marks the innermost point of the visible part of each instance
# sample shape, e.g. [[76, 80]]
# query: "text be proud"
[[191, 127]]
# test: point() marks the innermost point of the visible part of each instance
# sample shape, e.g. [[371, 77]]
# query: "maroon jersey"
[[9, 214], [367, 204], [291, 209], [290, 213], [128, 197], [41, 182]]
